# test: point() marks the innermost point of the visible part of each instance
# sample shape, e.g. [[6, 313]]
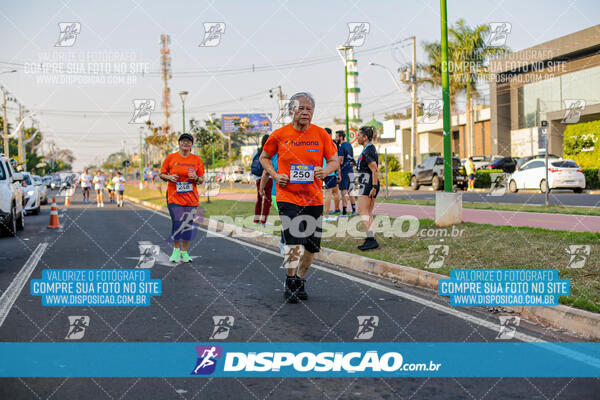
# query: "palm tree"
[[468, 59]]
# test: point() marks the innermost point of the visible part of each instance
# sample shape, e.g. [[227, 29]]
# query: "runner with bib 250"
[[300, 148]]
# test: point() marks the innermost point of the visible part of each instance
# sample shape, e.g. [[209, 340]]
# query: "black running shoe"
[[290, 290], [369, 244], [300, 291]]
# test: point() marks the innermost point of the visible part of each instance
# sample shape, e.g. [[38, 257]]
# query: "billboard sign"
[[254, 123]]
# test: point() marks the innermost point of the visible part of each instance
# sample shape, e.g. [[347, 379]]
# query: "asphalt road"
[[557, 197], [230, 278]]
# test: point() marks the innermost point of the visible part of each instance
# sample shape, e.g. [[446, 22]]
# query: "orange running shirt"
[[184, 193], [305, 150]]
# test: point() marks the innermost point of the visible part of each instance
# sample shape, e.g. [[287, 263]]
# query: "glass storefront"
[[548, 95]]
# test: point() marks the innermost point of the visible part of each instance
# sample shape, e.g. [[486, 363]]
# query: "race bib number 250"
[[184, 187], [300, 173]]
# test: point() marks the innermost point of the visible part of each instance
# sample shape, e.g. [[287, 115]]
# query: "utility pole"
[[413, 82], [281, 105], [446, 100], [5, 126], [165, 63], [20, 145]]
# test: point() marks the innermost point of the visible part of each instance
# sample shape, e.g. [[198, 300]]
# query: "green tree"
[[468, 59]]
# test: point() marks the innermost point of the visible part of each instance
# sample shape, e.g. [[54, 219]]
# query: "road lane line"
[[14, 289]]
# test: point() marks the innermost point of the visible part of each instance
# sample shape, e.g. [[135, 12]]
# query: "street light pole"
[[5, 126], [446, 100], [345, 49], [183, 95], [413, 82], [4, 123]]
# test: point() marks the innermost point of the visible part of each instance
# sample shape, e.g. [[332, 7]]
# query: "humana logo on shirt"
[[302, 143], [319, 362]]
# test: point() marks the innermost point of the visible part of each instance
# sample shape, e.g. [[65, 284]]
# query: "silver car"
[[37, 180], [33, 198]]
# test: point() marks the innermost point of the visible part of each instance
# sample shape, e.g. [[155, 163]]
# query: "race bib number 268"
[[301, 173], [184, 187]]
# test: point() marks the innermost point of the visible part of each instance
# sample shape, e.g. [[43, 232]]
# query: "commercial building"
[[557, 81], [395, 137]]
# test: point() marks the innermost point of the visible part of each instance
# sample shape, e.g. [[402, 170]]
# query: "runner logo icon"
[[77, 326], [573, 110], [357, 34], [508, 326], [68, 33], [223, 323], [212, 34], [499, 32], [207, 359], [437, 255], [579, 254], [366, 326], [142, 109]]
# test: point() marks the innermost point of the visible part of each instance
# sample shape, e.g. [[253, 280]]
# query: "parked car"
[[55, 182], [522, 161], [431, 172], [562, 174], [47, 180], [12, 199], [506, 164], [248, 178], [33, 199], [234, 177], [42, 188]]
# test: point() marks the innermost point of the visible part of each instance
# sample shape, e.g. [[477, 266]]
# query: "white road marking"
[[555, 347], [14, 289]]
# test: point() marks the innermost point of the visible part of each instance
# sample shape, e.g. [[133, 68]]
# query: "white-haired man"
[[300, 148]]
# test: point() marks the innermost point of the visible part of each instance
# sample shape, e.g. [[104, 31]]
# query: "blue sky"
[[259, 33]]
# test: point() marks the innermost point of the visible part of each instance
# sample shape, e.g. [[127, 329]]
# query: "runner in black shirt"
[[368, 184]]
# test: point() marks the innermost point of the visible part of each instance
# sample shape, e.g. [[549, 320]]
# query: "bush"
[[483, 179], [393, 163], [397, 178], [591, 178], [582, 143]]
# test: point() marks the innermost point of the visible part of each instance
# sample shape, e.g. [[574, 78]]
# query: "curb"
[[581, 322], [476, 190]]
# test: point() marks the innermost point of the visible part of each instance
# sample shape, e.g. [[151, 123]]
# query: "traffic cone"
[[67, 199], [54, 224]]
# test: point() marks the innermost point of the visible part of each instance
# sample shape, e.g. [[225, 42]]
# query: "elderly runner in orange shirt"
[[183, 170], [300, 148]]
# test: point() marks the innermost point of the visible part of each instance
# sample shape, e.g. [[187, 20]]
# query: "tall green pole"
[[141, 163], [183, 114], [446, 100], [346, 84]]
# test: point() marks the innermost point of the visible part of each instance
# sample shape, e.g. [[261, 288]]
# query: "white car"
[[33, 198], [42, 188], [562, 174], [12, 210]]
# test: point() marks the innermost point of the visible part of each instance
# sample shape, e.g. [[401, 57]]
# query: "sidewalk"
[[566, 222]]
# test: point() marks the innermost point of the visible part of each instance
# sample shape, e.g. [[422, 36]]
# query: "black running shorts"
[[301, 225]]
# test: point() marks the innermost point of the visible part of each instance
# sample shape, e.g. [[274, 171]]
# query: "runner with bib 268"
[[300, 148], [183, 171]]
